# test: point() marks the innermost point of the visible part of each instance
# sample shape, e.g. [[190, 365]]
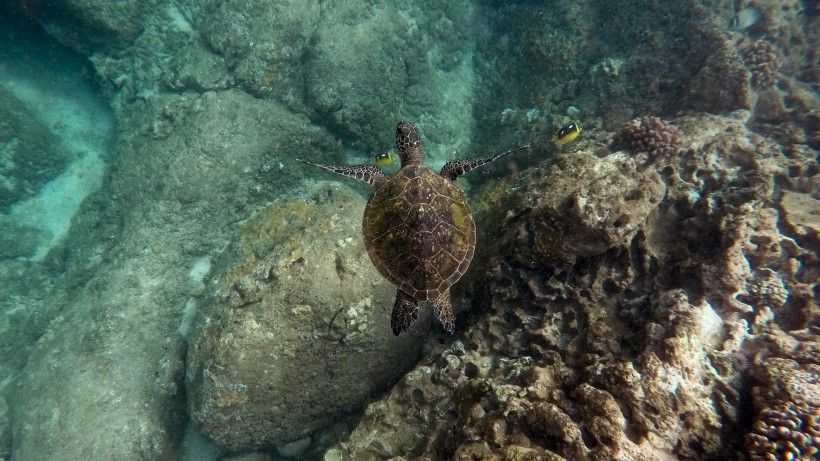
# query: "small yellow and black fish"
[[384, 158], [566, 134]]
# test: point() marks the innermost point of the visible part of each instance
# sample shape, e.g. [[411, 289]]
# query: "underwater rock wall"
[[105, 378]]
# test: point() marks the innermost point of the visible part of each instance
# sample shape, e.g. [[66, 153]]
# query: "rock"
[[89, 25], [255, 456], [236, 28], [585, 206], [263, 44], [722, 84], [365, 105], [194, 68], [103, 374], [802, 214], [297, 332], [17, 239], [424, 77], [30, 155]]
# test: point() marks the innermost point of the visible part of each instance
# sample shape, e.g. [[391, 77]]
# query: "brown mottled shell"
[[419, 232]]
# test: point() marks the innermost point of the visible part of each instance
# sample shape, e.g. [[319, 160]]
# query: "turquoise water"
[[639, 282]]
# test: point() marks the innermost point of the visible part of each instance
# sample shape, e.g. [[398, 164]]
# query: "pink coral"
[[651, 135], [763, 61]]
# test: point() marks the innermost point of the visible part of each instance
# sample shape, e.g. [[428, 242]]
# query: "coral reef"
[[788, 26], [620, 343], [652, 136], [763, 61]]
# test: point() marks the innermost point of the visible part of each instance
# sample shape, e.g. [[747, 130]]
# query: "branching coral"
[[651, 135], [763, 61]]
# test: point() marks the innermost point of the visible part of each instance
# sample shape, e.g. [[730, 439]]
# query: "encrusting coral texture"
[[787, 400], [625, 310]]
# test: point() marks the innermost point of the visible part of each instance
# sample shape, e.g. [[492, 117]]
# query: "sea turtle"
[[418, 229]]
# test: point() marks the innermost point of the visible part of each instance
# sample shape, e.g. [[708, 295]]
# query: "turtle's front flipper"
[[365, 173], [443, 310], [405, 312], [456, 168]]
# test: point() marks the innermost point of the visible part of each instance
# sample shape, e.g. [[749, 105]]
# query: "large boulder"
[[296, 332]]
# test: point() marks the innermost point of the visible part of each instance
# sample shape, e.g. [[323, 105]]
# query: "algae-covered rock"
[[336, 86], [584, 206], [102, 372], [88, 25], [30, 155], [297, 332]]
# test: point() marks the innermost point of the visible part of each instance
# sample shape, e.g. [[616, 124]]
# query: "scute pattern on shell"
[[419, 232]]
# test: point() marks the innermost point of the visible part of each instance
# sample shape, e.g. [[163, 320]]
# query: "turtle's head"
[[408, 143]]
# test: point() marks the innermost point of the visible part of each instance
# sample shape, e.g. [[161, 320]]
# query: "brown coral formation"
[[787, 425], [785, 431], [650, 135], [763, 61], [615, 318]]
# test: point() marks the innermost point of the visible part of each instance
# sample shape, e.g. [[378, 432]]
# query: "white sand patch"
[[178, 20], [52, 209], [186, 325], [199, 270]]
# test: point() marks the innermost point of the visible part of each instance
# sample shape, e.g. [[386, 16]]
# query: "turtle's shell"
[[419, 232]]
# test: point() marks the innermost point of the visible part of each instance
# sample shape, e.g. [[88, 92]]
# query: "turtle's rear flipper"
[[443, 310], [405, 312], [456, 168], [365, 173]]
